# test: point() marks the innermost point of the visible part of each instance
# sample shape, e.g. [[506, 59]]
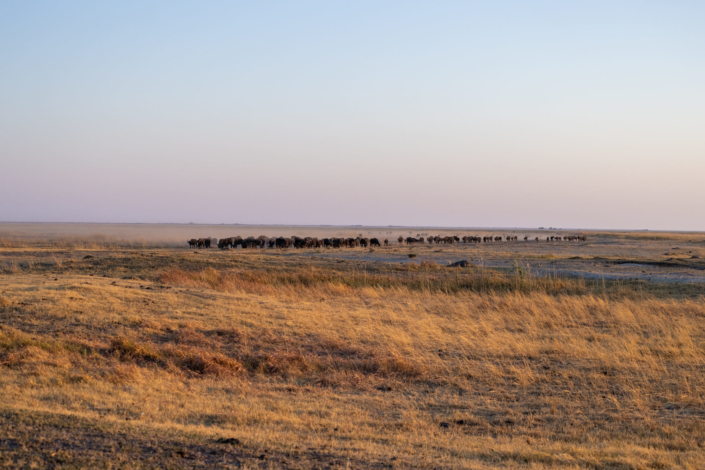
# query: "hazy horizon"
[[408, 114], [346, 226]]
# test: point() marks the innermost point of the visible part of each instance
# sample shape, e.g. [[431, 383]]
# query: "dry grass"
[[414, 365], [427, 277], [90, 242], [695, 237]]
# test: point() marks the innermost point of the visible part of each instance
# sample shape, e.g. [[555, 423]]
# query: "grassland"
[[131, 356]]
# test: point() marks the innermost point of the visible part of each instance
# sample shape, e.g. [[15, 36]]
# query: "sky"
[[463, 114]]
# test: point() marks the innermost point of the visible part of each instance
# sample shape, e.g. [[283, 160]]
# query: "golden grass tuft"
[[202, 362], [126, 350]]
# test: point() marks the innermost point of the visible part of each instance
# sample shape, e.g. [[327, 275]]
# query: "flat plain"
[[120, 347]]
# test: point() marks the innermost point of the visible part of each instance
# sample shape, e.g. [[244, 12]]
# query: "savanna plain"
[[121, 347]]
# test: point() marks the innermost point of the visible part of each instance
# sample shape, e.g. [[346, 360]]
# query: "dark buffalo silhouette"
[[250, 242], [460, 264]]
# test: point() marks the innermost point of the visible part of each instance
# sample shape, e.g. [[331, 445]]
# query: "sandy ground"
[[656, 261]]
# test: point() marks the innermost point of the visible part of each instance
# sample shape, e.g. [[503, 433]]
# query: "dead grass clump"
[[12, 360], [200, 362], [430, 265], [174, 358], [12, 339], [79, 347], [128, 351], [284, 363], [227, 334], [312, 359], [406, 267], [178, 277], [18, 349], [211, 364], [4, 301], [390, 367], [208, 278], [121, 373], [35, 357], [12, 268], [333, 371], [187, 336]]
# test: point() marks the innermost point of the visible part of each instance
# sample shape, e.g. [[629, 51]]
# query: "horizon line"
[[439, 227]]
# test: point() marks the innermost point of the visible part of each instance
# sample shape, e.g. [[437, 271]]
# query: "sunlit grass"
[[429, 365]]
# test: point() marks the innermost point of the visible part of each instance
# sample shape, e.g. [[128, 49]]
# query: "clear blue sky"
[[494, 113]]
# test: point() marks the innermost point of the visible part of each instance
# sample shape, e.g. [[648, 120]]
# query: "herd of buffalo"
[[313, 242]]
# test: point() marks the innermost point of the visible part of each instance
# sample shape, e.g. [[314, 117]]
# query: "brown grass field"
[[122, 348]]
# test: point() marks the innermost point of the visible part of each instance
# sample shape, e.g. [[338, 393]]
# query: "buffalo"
[[203, 243], [313, 242]]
